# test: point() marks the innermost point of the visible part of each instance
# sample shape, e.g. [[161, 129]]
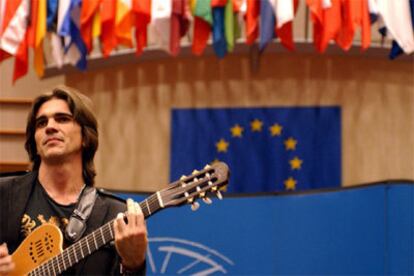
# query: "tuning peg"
[[195, 171], [195, 206], [207, 166], [202, 194], [219, 195], [207, 200], [189, 199], [183, 177]]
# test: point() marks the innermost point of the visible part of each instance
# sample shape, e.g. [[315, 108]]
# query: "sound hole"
[[31, 253], [48, 243], [39, 249]]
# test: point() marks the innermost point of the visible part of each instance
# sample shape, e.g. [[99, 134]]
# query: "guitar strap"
[[77, 221]]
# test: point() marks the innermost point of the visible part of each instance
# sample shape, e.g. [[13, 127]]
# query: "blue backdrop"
[[365, 230]]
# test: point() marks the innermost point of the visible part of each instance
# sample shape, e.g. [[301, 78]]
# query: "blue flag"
[[267, 149], [267, 24], [219, 37]]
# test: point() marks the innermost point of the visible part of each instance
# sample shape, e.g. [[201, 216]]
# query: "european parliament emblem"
[[267, 149]]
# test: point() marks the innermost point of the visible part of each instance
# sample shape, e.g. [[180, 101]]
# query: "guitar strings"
[[64, 260]]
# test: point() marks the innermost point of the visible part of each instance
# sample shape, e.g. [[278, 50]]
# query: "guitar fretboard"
[[90, 243]]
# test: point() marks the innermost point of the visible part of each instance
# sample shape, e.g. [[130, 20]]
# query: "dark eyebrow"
[[55, 114]]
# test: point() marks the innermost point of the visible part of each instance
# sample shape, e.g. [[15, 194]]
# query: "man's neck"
[[62, 182]]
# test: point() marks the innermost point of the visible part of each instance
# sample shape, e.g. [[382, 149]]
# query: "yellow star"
[[296, 163], [290, 184], [276, 130], [256, 125], [290, 144], [222, 145], [236, 131]]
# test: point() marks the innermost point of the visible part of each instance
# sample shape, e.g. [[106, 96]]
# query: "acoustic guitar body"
[[42, 244]]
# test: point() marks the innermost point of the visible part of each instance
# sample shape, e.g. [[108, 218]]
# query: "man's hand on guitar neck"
[[131, 236], [6, 262]]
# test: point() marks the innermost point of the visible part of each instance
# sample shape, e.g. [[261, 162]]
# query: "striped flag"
[[68, 27], [13, 36], [203, 20], [286, 10]]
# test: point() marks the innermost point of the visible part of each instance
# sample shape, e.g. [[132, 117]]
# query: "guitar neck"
[[92, 242]]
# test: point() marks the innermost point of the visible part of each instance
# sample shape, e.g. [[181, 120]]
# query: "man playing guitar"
[[61, 141]]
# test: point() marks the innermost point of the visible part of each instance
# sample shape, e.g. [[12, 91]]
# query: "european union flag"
[[267, 149]]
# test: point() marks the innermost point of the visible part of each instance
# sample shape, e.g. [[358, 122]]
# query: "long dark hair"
[[81, 109]]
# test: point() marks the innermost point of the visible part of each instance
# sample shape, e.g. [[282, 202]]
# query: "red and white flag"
[[13, 35]]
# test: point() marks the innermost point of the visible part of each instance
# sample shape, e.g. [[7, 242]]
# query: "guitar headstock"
[[197, 185]]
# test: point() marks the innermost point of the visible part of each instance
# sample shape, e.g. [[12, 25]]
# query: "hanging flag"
[[267, 149], [142, 10], [179, 24], [252, 21], [230, 25], [68, 28], [203, 19], [326, 22], [14, 25], [37, 32], [40, 35], [108, 37], [88, 11], [219, 37], [52, 10], [396, 50], [55, 40], [123, 22], [267, 22], [286, 10], [13, 37], [355, 14], [3, 54], [397, 19], [58, 52], [316, 16], [160, 25], [21, 60]]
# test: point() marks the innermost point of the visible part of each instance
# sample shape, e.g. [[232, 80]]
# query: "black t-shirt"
[[42, 209]]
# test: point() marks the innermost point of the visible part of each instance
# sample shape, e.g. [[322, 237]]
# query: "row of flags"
[[73, 25]]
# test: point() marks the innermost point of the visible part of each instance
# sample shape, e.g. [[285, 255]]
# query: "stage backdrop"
[[136, 105], [357, 231]]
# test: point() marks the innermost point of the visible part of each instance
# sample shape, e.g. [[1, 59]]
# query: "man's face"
[[58, 136]]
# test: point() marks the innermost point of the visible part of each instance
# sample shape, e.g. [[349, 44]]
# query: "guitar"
[[41, 252]]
